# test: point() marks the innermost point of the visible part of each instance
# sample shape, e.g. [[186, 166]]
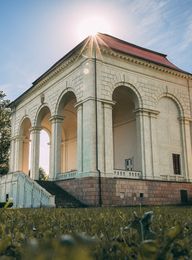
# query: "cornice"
[[147, 112], [145, 63], [185, 119], [57, 71], [56, 119]]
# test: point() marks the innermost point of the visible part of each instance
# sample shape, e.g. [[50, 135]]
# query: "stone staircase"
[[24, 192], [62, 198]]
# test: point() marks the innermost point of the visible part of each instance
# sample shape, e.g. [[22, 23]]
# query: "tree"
[[5, 133], [42, 174]]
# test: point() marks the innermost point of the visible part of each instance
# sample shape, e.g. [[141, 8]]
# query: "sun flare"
[[92, 25]]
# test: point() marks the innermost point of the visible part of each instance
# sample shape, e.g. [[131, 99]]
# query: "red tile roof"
[[116, 45], [134, 50]]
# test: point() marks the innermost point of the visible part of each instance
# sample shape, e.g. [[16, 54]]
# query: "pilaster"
[[146, 127], [55, 149], [18, 153], [35, 151], [12, 155], [79, 138], [25, 155], [89, 138], [186, 145], [108, 138]]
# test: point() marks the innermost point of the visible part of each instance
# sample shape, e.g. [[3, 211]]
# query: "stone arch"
[[66, 108], [41, 113], [137, 97], [169, 135], [174, 98], [125, 128], [24, 144], [63, 96], [26, 117]]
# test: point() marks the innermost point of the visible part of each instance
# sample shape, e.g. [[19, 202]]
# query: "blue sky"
[[34, 34]]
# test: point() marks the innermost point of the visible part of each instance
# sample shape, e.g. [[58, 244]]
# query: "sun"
[[92, 25]]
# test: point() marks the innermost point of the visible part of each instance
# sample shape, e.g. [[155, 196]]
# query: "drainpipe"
[[96, 126], [189, 95]]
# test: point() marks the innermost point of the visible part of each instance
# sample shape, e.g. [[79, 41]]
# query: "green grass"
[[94, 233]]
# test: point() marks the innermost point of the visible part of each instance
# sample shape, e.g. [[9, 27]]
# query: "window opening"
[[176, 164]]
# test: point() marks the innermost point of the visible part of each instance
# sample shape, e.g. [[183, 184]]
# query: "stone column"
[[35, 151], [89, 138], [108, 138], [63, 164], [25, 155], [146, 140], [154, 148], [140, 143], [55, 155], [187, 149], [49, 147], [12, 155], [79, 138], [18, 153]]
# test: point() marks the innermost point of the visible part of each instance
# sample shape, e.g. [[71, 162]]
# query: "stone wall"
[[122, 192], [146, 82]]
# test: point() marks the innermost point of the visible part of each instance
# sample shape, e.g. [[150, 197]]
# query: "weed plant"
[[96, 233]]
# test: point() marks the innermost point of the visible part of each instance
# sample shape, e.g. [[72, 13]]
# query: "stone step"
[[63, 199]]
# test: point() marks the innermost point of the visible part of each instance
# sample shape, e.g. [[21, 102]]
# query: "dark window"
[[141, 195], [176, 164], [184, 196]]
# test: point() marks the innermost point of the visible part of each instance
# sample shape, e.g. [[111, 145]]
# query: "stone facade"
[[105, 112], [122, 192]]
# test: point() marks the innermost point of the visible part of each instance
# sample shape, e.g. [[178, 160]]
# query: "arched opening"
[[43, 122], [169, 140], [25, 145], [69, 132], [125, 139], [44, 156]]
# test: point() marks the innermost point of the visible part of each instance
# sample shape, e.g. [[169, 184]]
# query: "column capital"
[[108, 103], [56, 119], [79, 105], [105, 101], [184, 119], [35, 129], [146, 112], [26, 139]]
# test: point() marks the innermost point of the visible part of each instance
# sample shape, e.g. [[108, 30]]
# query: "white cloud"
[[187, 39], [162, 26]]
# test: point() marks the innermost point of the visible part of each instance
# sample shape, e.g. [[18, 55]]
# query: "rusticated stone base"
[[122, 192]]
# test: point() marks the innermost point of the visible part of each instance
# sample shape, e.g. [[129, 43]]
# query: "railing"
[[138, 175], [172, 178], [118, 173], [39, 196], [127, 174], [24, 191], [67, 175]]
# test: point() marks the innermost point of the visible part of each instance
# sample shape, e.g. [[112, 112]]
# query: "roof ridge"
[[160, 59], [134, 45]]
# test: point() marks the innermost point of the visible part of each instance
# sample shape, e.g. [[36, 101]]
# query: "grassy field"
[[96, 233]]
